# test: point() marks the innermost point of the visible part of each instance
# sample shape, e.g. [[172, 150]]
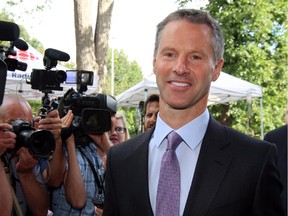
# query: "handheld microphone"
[[20, 44], [56, 55], [9, 31]]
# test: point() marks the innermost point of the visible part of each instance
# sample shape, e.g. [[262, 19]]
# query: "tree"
[[126, 75], [255, 50], [7, 16], [92, 50]]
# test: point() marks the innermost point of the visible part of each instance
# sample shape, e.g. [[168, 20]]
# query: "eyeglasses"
[[120, 130]]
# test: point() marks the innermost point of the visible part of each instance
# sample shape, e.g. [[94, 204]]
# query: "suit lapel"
[[210, 170], [137, 160]]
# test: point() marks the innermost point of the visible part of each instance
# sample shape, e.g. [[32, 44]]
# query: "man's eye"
[[169, 54], [196, 57], [149, 115]]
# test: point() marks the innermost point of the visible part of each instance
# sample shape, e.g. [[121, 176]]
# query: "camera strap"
[[97, 176], [11, 178]]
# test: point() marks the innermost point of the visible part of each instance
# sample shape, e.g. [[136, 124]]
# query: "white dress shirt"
[[187, 152]]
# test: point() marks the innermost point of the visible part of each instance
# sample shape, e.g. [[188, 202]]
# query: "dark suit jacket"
[[235, 175], [279, 137]]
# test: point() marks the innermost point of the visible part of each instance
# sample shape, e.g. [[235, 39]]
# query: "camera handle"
[[46, 107], [46, 99]]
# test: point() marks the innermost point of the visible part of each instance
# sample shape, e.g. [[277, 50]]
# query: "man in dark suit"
[[222, 172], [279, 137]]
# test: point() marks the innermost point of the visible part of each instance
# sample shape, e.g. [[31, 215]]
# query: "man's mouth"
[[180, 84]]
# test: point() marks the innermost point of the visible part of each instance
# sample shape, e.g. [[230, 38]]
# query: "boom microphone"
[[9, 31], [56, 54], [21, 44]]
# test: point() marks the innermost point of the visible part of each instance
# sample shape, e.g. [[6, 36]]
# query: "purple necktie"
[[168, 192]]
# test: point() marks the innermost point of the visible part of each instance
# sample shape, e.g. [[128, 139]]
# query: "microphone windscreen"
[[56, 54], [9, 31], [21, 44]]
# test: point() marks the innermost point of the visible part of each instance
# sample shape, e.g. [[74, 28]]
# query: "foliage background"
[[255, 34], [126, 75]]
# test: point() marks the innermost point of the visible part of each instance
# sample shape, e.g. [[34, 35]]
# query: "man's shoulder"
[[230, 135], [278, 131]]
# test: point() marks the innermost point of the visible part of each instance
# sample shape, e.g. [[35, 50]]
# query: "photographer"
[[82, 192], [26, 175]]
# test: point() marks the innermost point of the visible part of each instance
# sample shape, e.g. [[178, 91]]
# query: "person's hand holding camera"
[[103, 141], [7, 138], [25, 161], [67, 119], [53, 123], [98, 211]]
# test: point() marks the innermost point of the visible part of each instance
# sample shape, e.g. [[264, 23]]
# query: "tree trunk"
[[101, 38], [85, 56], [224, 118]]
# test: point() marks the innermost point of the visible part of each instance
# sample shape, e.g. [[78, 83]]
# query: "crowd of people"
[[219, 171]]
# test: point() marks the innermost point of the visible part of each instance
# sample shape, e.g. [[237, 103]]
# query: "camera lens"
[[61, 76], [39, 143], [96, 121]]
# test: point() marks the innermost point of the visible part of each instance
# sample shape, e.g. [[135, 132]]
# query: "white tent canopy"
[[225, 89]]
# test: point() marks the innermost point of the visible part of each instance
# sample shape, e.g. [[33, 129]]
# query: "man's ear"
[[217, 70]]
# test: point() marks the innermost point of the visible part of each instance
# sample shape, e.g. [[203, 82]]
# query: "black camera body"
[[43, 80], [92, 113], [40, 143], [48, 80]]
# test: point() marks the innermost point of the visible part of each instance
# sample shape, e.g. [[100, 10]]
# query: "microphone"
[[21, 44], [56, 55], [9, 31], [14, 64]]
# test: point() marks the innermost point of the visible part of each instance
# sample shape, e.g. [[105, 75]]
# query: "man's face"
[[184, 65], [150, 117]]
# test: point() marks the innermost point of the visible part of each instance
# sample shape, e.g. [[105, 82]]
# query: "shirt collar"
[[195, 128]]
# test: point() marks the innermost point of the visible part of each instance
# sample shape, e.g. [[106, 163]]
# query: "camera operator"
[[26, 177], [82, 192]]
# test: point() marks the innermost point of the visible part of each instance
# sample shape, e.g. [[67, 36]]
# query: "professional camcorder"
[[40, 143], [92, 113], [47, 80]]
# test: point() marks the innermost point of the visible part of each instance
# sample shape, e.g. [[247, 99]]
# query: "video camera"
[[9, 33], [40, 143], [47, 80], [92, 113]]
